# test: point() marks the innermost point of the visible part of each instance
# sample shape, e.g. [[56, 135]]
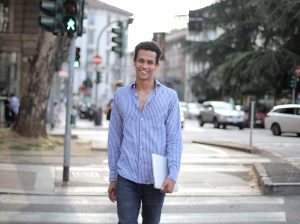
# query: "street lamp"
[[128, 21]]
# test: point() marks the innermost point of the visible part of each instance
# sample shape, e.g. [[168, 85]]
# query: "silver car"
[[284, 118], [221, 113]]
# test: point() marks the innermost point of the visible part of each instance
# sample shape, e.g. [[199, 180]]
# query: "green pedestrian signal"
[[71, 24], [77, 58], [73, 15]]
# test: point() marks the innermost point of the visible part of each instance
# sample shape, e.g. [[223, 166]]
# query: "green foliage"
[[257, 47]]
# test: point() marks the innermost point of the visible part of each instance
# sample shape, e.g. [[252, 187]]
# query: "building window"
[[8, 71], [3, 15]]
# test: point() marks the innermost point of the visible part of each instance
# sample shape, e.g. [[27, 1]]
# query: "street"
[[216, 185]]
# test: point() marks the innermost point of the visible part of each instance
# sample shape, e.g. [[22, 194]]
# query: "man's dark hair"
[[148, 46]]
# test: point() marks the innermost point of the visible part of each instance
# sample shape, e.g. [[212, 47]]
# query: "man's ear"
[[157, 64]]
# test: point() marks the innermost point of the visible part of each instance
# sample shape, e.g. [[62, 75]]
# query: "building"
[[18, 36], [101, 18]]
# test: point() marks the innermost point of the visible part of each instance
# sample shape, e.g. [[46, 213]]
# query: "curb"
[[230, 145], [270, 187]]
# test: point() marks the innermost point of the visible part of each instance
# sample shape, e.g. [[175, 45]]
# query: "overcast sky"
[[155, 16]]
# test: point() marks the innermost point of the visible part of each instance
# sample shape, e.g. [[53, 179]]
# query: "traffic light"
[[51, 18], [77, 58], [98, 77], [119, 39], [293, 82], [195, 21], [73, 15]]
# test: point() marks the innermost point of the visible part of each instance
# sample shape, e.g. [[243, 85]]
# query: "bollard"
[[98, 117]]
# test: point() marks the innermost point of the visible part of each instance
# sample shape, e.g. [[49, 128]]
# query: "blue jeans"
[[131, 195]]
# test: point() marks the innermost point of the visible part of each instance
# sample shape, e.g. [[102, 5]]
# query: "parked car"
[[284, 118], [261, 111], [221, 113], [193, 110]]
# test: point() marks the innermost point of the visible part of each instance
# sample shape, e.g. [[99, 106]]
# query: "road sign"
[[297, 71], [97, 60]]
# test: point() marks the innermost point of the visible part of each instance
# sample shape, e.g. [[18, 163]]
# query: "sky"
[[156, 16]]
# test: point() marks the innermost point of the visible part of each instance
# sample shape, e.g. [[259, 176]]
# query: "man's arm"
[[174, 143], [114, 140]]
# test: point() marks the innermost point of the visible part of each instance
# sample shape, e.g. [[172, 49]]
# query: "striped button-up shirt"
[[135, 134]]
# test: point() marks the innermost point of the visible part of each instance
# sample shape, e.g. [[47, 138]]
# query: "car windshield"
[[223, 106]]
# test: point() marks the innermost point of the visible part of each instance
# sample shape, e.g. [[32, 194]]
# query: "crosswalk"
[[98, 209], [215, 186]]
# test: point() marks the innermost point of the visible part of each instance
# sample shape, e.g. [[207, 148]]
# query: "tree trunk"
[[32, 118]]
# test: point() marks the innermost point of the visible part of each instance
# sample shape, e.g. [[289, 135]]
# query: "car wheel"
[[201, 122], [241, 127], [276, 129], [224, 126], [216, 123], [298, 134]]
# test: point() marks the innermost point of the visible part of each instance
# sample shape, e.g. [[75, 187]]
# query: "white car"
[[221, 113], [194, 110], [284, 118]]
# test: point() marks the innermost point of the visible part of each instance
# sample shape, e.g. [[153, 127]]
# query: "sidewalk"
[[42, 175], [278, 177]]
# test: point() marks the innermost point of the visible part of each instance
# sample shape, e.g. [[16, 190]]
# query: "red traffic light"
[[70, 7]]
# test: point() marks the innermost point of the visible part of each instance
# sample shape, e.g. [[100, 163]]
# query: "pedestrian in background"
[[145, 119], [107, 109], [14, 105]]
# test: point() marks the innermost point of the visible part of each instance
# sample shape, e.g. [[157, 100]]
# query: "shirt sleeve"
[[174, 138], [114, 140]]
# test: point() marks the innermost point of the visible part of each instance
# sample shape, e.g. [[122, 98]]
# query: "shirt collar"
[[156, 85]]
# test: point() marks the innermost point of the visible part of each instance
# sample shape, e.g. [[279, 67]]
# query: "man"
[[14, 106], [145, 119]]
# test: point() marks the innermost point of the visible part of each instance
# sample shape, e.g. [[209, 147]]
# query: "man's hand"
[[168, 186], [112, 191]]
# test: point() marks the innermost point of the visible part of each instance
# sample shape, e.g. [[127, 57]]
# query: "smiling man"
[[145, 119]]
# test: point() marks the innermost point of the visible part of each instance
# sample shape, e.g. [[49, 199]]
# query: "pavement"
[[37, 172]]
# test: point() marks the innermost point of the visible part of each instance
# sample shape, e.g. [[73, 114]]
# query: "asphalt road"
[[287, 145]]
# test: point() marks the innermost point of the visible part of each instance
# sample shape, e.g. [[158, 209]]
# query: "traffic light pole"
[[67, 145], [129, 21]]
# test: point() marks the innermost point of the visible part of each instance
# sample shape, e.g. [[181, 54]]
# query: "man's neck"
[[145, 85]]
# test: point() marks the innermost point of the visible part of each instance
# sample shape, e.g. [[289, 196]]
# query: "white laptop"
[[160, 170]]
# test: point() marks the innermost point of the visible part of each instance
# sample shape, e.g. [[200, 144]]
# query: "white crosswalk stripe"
[[89, 210]]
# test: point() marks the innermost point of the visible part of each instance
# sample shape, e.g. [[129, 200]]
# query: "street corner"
[[277, 178], [26, 179]]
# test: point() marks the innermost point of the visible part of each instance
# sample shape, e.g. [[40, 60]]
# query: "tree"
[[31, 121], [258, 48]]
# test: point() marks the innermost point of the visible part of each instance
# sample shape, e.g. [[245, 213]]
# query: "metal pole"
[[129, 21], [67, 145], [293, 95], [251, 121]]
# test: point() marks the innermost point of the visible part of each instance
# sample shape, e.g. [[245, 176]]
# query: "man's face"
[[145, 64]]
